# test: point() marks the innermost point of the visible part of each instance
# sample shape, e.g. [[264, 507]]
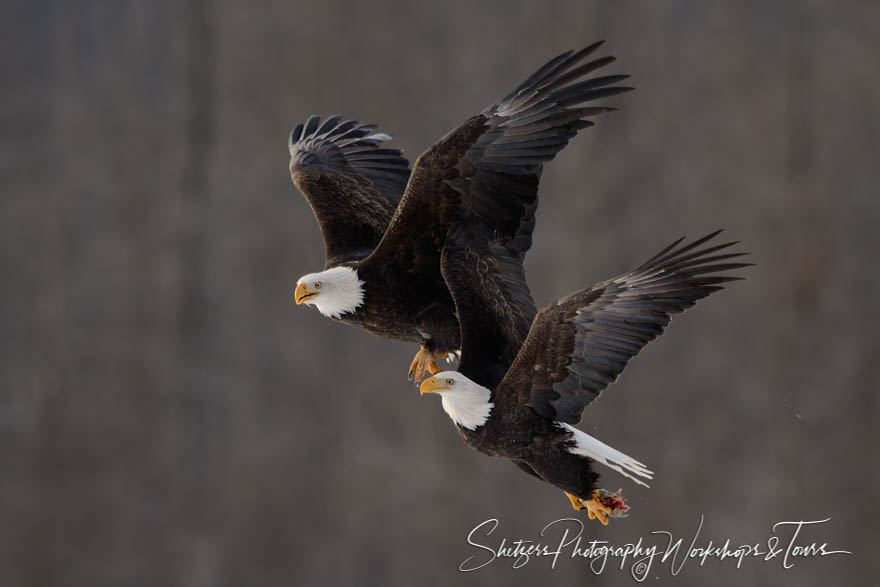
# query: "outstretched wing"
[[579, 345], [495, 309], [352, 184], [486, 171]]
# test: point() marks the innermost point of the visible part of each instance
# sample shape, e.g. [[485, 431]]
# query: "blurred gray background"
[[169, 416]]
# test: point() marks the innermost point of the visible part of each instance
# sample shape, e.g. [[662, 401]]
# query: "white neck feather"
[[468, 404], [341, 291]]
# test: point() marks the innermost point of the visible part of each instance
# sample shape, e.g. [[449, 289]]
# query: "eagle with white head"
[[385, 227], [519, 397]]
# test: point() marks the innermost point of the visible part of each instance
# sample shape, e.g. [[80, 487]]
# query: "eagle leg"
[[596, 509], [424, 362]]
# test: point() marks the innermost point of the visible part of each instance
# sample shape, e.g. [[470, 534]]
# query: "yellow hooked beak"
[[302, 293], [433, 384]]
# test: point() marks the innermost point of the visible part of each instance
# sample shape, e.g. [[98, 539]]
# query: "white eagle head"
[[334, 292], [466, 402]]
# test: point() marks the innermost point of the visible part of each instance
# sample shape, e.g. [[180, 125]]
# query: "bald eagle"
[[384, 228], [519, 396]]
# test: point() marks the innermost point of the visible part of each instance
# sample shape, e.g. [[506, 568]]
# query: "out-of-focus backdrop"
[[169, 416]]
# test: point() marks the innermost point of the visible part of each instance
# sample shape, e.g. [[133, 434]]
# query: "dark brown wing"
[[495, 308], [487, 170], [352, 184], [579, 345]]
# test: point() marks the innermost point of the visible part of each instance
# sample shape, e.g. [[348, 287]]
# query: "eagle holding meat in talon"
[[384, 226], [518, 393]]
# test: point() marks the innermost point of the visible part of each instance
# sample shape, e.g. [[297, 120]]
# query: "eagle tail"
[[586, 445]]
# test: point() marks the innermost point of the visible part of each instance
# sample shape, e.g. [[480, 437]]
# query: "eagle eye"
[[317, 285], [450, 381]]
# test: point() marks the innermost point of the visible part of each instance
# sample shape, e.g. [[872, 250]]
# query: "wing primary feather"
[[555, 65], [295, 134], [328, 125], [579, 72], [311, 125]]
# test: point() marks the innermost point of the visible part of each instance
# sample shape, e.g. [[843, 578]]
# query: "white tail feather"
[[600, 452]]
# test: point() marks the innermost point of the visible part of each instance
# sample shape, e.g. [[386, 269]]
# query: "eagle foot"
[[575, 501], [424, 362], [596, 509]]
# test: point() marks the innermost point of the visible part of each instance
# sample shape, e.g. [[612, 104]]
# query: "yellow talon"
[[424, 362], [575, 501], [595, 509]]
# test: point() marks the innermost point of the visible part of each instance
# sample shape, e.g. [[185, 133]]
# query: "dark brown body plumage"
[[534, 444], [406, 310]]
